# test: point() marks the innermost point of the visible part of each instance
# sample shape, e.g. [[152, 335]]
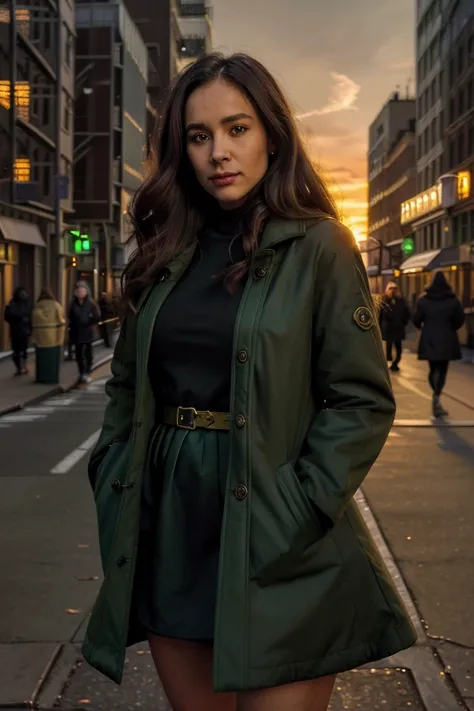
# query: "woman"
[[240, 424], [439, 315], [393, 318], [49, 326], [18, 316], [84, 315]]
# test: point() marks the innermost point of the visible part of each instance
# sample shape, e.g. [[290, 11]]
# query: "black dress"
[[184, 487]]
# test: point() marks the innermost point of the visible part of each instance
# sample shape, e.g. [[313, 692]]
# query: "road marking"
[[40, 410], [10, 419], [76, 455], [433, 423]]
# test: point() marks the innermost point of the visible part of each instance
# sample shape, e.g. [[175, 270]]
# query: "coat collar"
[[279, 230]]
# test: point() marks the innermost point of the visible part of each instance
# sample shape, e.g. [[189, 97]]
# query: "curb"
[[55, 390]]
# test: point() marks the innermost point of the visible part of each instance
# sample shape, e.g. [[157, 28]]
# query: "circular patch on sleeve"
[[364, 318]]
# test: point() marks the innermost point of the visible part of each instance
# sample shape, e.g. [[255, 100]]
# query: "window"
[[452, 111], [47, 35], [461, 147], [68, 47], [46, 180], [470, 96], [36, 159], [461, 102], [461, 60], [36, 34], [46, 111], [470, 141], [66, 112], [452, 153], [434, 132], [22, 170]]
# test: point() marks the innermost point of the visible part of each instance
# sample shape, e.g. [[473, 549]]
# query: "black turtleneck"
[[191, 350]]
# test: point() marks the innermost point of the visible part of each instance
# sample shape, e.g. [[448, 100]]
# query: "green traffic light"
[[78, 245], [408, 246], [86, 243]]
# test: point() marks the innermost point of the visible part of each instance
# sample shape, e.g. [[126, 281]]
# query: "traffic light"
[[82, 242], [408, 246], [74, 262]]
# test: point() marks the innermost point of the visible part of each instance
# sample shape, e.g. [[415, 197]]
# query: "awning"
[[453, 255], [20, 231], [419, 261]]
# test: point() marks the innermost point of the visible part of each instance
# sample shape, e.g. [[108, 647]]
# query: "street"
[[417, 501]]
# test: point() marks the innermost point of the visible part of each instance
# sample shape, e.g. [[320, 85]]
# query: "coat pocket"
[[288, 525]]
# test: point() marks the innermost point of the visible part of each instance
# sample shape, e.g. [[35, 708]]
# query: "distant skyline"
[[339, 62]]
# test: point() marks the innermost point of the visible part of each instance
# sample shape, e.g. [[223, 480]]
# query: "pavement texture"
[[420, 494], [17, 392]]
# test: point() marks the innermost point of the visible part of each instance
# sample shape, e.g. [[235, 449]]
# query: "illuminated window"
[[22, 97], [5, 15], [22, 100], [21, 170], [23, 22], [464, 184]]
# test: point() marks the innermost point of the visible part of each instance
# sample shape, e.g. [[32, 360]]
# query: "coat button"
[[242, 356], [241, 492], [260, 272], [121, 561], [240, 420], [116, 485]]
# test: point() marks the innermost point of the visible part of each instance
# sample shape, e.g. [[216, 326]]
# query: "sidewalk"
[[421, 491], [17, 392]]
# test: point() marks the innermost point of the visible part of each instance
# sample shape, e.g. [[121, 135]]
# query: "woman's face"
[[226, 142]]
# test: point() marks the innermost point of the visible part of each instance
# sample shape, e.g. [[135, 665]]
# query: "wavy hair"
[[168, 211]]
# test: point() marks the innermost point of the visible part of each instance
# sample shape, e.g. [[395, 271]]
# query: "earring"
[[272, 153]]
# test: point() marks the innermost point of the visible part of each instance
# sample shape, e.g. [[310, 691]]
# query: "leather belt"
[[188, 418]]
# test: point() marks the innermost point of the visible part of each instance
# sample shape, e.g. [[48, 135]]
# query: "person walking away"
[[84, 314], [18, 316], [394, 317], [49, 326], [106, 314], [223, 480], [439, 315]]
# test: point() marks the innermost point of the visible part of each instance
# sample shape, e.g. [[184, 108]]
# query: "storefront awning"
[[419, 261], [20, 231], [453, 255]]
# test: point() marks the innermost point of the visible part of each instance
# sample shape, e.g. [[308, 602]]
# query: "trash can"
[[48, 362]]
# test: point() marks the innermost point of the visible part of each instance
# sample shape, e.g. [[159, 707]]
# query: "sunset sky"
[[339, 61]]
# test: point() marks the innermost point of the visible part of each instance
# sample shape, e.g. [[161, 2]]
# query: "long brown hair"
[[169, 209]]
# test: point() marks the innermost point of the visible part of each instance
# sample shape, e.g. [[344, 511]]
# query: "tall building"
[[392, 177], [36, 144], [195, 23], [439, 216], [109, 139]]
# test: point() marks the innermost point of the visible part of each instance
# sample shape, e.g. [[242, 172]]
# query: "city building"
[[36, 144], [109, 139], [195, 24], [440, 216], [392, 177], [175, 32]]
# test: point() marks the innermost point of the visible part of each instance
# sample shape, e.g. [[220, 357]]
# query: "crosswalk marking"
[[88, 400], [66, 464]]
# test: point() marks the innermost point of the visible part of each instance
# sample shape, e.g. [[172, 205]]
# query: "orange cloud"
[[342, 97]]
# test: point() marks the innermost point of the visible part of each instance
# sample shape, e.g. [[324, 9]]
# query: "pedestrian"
[[439, 315], [49, 327], [240, 422], [18, 316], [394, 317], [84, 315]]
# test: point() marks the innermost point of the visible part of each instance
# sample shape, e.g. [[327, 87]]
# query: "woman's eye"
[[238, 130], [199, 138]]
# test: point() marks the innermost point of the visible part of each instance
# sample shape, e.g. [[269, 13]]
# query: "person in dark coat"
[[18, 316], [439, 315], [84, 314], [394, 317]]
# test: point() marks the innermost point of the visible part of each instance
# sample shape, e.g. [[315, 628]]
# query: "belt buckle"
[[182, 422]]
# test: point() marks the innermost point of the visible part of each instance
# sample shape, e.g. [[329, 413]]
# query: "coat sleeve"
[[458, 317], [419, 315], [350, 379], [120, 389]]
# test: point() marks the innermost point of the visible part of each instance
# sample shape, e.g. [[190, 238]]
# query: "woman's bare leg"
[[185, 670], [300, 696]]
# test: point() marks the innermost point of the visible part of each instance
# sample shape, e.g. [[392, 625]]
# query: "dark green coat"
[[302, 591]]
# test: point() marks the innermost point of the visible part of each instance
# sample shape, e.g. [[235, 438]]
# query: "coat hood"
[[439, 288]]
